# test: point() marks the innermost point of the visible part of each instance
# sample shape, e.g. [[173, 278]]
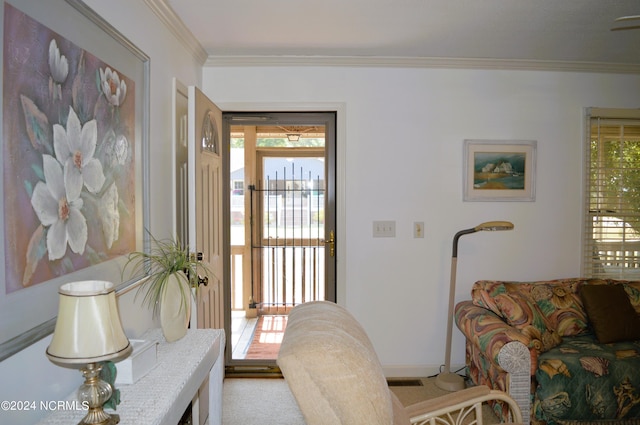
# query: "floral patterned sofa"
[[567, 350]]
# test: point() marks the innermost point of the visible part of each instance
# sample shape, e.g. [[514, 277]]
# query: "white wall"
[[404, 137], [28, 375]]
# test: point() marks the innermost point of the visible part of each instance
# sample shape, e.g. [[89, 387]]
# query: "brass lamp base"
[[450, 382], [110, 420], [94, 393]]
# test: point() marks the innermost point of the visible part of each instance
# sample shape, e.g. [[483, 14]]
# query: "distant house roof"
[[292, 169]]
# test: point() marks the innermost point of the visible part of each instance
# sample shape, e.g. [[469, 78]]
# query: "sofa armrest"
[[504, 346], [486, 330]]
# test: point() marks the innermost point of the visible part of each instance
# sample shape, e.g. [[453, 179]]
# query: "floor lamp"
[[448, 380]]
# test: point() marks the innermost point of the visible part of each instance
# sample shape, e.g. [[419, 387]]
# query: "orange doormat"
[[267, 337]]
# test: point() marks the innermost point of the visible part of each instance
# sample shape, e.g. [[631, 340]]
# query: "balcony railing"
[[616, 259], [237, 257], [288, 275]]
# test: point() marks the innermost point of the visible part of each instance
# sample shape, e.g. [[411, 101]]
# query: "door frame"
[[341, 142]]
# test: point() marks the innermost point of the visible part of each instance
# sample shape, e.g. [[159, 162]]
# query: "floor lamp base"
[[450, 382]]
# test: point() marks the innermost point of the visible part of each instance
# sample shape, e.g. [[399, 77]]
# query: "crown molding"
[[172, 21], [422, 62]]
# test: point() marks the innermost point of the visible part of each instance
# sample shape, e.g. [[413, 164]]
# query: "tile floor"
[[241, 333]]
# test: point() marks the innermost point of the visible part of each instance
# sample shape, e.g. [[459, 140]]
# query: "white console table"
[[162, 396]]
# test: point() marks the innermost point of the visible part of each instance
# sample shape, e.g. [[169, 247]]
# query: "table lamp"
[[448, 380], [88, 331]]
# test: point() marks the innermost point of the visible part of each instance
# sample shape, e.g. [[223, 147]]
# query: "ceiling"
[[523, 30]]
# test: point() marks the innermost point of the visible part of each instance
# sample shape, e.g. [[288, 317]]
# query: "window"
[[612, 194]]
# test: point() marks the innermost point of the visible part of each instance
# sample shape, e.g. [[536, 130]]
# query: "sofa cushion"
[[558, 300], [610, 313], [633, 291], [332, 369], [584, 381], [523, 313]]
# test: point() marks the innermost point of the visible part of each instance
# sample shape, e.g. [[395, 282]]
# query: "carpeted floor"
[[269, 401], [259, 402]]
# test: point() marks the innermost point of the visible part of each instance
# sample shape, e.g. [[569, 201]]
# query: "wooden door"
[[197, 196], [205, 205]]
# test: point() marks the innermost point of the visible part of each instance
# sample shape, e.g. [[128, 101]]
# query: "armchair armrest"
[[452, 408]]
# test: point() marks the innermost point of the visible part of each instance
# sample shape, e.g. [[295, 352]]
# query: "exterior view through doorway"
[[281, 227]]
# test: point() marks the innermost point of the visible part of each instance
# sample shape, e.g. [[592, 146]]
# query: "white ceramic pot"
[[175, 308]]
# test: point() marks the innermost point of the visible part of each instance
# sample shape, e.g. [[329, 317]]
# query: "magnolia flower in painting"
[[110, 215], [121, 149], [74, 148], [58, 210], [59, 68], [114, 90]]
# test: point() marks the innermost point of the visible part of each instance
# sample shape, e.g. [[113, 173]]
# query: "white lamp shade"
[[88, 327]]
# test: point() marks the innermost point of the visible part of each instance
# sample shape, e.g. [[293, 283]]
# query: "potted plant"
[[169, 271]]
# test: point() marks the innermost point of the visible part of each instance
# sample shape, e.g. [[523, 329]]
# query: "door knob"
[[203, 280]]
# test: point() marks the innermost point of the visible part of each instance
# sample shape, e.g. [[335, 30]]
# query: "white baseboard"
[[414, 371]]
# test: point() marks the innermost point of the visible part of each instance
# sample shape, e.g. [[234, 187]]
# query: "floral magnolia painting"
[[68, 156]]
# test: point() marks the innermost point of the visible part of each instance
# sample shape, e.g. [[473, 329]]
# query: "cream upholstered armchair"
[[336, 378]]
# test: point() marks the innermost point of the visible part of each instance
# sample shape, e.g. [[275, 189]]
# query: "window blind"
[[611, 238]]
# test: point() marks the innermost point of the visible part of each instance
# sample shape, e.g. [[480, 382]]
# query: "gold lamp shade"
[[88, 327]]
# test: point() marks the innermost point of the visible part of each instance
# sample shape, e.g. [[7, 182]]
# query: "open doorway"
[[281, 226]]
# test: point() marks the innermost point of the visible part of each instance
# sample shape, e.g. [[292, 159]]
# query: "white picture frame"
[[499, 170]]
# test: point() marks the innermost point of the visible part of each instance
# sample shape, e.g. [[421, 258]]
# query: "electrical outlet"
[[418, 229], [384, 229]]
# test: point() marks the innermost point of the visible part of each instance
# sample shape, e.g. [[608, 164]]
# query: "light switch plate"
[[384, 229]]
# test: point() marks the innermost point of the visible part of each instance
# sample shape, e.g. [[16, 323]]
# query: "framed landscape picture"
[[499, 170]]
